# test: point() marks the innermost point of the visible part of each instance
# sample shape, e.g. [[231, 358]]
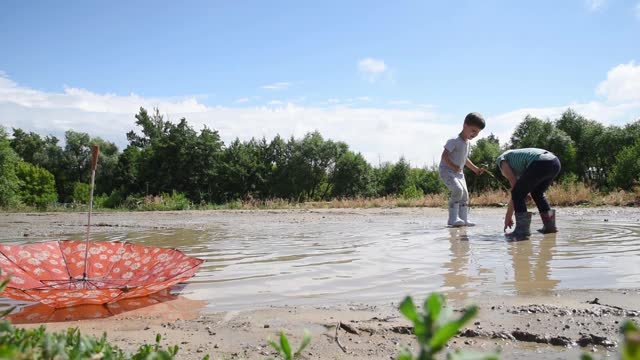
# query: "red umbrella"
[[67, 273]]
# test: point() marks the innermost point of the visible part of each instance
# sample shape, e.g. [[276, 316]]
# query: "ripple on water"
[[381, 259]]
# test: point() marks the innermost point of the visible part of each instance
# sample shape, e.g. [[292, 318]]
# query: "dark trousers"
[[535, 180]]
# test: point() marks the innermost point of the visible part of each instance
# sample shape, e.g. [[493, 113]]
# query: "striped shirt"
[[520, 159]]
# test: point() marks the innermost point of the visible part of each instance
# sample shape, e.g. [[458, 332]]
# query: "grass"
[[567, 194]]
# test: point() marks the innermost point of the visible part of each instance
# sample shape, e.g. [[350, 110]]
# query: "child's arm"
[[445, 158], [476, 170], [505, 169], [508, 217]]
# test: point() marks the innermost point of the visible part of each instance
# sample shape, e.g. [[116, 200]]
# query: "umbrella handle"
[[95, 151]]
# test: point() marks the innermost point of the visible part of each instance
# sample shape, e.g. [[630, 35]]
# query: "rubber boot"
[[523, 227], [463, 213], [548, 222], [454, 220]]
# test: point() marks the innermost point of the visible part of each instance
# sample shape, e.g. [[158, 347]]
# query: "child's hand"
[[508, 222], [480, 171]]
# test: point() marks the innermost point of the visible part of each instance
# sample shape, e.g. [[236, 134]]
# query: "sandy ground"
[[552, 327]]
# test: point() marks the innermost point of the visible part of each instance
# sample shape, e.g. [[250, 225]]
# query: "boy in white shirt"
[[454, 158]]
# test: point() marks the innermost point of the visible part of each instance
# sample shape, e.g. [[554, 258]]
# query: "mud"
[[547, 298]]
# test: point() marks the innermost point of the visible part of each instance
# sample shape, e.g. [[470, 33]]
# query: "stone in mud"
[[470, 333], [407, 330], [502, 335], [592, 339], [528, 337], [560, 341], [348, 328]]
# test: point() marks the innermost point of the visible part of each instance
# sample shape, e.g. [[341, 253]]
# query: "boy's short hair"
[[474, 119]]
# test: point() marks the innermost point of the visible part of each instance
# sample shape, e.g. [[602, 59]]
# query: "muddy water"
[[257, 261]]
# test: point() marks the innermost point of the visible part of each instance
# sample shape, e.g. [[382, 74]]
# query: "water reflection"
[[531, 265], [163, 304], [457, 274]]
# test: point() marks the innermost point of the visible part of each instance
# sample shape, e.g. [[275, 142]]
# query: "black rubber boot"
[[548, 222], [523, 227]]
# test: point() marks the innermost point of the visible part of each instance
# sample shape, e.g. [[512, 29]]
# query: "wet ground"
[[328, 259]]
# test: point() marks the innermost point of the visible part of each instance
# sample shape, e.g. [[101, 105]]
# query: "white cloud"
[[333, 101], [595, 5], [622, 83], [415, 131], [278, 86], [371, 68], [82, 99], [242, 100], [379, 134], [363, 98]]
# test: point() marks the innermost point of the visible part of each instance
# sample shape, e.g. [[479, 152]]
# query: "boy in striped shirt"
[[529, 171]]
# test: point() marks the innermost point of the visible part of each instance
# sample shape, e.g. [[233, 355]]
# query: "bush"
[[626, 171], [8, 180], [412, 192], [162, 202], [81, 192], [167, 202], [37, 186], [112, 201]]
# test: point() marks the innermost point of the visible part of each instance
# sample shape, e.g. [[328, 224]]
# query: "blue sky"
[[254, 68]]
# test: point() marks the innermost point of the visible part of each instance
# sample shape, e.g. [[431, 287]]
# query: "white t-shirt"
[[458, 150]]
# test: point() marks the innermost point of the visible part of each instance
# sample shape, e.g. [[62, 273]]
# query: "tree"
[[316, 159], [206, 162], [484, 153], [352, 176], [534, 132], [9, 182], [427, 181], [153, 128], [27, 146], [241, 165], [126, 176], [301, 169], [171, 157], [584, 134], [626, 172], [105, 180], [75, 163], [37, 185], [51, 158], [394, 178]]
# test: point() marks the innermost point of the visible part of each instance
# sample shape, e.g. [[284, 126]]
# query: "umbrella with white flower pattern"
[[67, 273]]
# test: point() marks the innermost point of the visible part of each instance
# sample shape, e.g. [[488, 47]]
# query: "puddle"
[[376, 258]]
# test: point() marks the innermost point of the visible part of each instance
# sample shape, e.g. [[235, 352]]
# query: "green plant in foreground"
[[630, 349], [284, 348], [37, 343], [3, 284], [434, 327], [631, 346]]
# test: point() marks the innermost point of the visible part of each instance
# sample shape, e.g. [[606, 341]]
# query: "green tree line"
[[166, 158]]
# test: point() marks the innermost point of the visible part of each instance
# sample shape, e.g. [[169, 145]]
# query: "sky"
[[389, 78]]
